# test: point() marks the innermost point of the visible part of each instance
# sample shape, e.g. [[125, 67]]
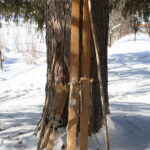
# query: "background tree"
[[118, 26], [128, 15], [30, 10]]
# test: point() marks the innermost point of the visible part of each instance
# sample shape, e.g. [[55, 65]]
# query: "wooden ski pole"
[[85, 80], [74, 76], [100, 78]]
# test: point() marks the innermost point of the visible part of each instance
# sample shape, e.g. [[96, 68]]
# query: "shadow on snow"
[[131, 130]]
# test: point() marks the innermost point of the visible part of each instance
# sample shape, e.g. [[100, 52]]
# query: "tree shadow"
[[25, 117], [3, 79], [10, 61], [129, 66], [17, 128], [128, 107], [7, 62], [129, 59], [132, 130], [132, 40], [12, 122]]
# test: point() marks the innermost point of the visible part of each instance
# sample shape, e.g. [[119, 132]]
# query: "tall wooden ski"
[[74, 77], [85, 80]]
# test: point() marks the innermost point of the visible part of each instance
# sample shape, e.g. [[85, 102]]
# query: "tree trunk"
[[58, 21], [101, 19], [58, 45]]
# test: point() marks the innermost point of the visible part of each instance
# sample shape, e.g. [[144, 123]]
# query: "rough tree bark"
[[58, 44], [58, 21], [100, 11]]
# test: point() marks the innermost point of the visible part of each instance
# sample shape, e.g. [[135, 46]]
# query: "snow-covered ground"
[[22, 91], [129, 92], [22, 86]]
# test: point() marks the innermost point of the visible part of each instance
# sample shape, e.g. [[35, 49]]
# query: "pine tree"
[[133, 11], [34, 10], [30, 10]]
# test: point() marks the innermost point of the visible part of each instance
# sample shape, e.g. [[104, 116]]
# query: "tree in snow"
[[57, 18], [58, 23], [135, 12], [126, 17]]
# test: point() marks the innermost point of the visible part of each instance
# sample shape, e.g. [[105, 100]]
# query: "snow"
[[129, 86], [22, 92]]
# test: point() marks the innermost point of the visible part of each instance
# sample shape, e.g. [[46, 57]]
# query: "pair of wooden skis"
[[76, 28], [80, 23]]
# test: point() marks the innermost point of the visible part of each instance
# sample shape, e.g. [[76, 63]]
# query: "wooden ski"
[[85, 80], [74, 77], [51, 140], [100, 77], [55, 117]]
